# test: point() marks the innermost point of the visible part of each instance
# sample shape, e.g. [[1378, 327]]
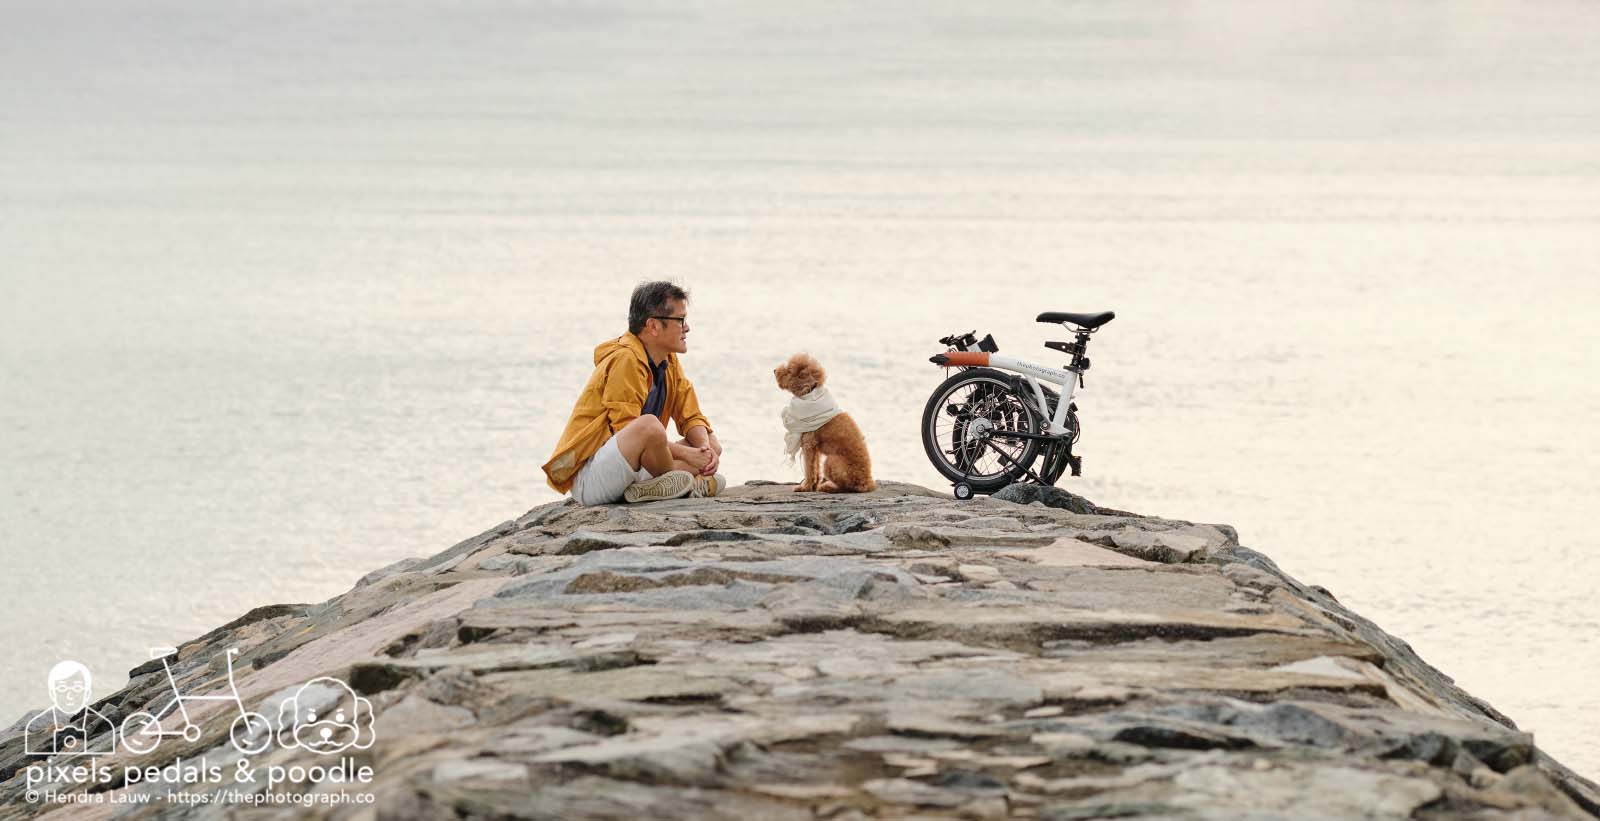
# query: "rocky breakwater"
[[768, 654]]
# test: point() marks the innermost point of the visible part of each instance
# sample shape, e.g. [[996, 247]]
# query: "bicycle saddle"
[[1090, 321]]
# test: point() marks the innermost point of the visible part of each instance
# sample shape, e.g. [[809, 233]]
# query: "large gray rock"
[[773, 654], [1023, 493]]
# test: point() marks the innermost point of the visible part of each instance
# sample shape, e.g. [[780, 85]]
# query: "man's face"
[[70, 694], [673, 334]]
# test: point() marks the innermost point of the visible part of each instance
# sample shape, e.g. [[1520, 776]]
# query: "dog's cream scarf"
[[805, 414]]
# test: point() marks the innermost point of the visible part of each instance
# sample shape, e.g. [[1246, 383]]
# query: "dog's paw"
[[805, 487]]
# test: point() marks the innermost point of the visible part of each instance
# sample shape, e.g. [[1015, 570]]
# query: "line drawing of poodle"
[[814, 424], [325, 716]]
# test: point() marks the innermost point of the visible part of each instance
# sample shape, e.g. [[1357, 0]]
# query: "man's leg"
[[643, 442]]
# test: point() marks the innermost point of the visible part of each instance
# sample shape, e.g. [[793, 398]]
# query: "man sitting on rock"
[[615, 446]]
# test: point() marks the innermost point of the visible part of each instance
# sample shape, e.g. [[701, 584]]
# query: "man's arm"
[[686, 412], [701, 437], [694, 426], [623, 394]]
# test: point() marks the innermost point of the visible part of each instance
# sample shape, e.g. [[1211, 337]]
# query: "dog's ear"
[[362, 720], [791, 375], [287, 720]]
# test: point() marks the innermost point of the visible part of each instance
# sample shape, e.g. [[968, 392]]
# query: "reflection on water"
[[289, 296]]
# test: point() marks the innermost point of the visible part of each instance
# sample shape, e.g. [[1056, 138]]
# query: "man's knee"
[[647, 428]]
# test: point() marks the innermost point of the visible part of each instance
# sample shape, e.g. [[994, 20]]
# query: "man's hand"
[[696, 458], [705, 441]]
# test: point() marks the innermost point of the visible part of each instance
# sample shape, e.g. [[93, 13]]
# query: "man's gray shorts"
[[605, 476]]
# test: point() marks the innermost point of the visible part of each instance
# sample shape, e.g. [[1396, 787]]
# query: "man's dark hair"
[[650, 299]]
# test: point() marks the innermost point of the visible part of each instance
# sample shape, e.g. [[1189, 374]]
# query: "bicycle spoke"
[[967, 413]]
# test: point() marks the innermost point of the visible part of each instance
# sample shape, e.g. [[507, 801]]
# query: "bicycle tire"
[[972, 461], [136, 735]]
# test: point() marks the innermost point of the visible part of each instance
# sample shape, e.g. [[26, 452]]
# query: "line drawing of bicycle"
[[250, 733]]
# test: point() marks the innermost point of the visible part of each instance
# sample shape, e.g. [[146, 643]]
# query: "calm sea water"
[[289, 292]]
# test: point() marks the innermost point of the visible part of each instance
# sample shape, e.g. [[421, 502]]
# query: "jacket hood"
[[626, 342]]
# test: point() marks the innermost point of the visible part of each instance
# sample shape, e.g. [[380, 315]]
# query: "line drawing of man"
[[70, 727]]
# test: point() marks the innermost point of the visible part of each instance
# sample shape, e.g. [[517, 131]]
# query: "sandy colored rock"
[[773, 654]]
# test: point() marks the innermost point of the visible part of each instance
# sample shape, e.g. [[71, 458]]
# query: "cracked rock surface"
[[769, 654]]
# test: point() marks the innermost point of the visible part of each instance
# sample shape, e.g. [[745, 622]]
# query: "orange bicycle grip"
[[960, 358]]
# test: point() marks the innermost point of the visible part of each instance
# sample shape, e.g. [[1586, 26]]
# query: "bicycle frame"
[[1066, 378]]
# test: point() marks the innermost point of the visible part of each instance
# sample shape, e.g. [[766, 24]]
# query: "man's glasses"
[[682, 319], [72, 689]]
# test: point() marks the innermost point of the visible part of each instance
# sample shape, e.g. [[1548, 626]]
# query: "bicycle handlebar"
[[960, 341], [966, 341]]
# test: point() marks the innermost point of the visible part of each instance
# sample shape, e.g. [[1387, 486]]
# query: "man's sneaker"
[[670, 485], [708, 486]]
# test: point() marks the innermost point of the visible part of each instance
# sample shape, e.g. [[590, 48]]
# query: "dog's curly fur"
[[848, 468]]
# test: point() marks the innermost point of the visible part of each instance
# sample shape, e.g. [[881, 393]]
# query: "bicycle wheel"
[[141, 732], [251, 733], [959, 425]]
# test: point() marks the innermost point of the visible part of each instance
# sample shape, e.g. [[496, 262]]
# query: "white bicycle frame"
[[1066, 378]]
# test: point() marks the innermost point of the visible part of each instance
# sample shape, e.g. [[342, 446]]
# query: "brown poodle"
[[817, 427]]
